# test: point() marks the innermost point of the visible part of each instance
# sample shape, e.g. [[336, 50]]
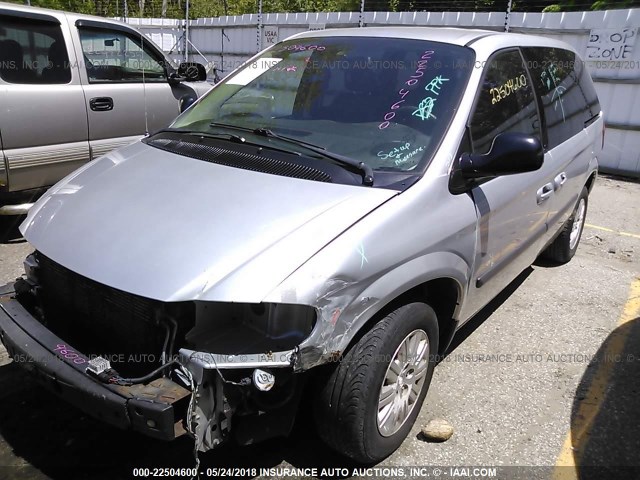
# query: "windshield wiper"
[[227, 136], [366, 170], [197, 133], [230, 126]]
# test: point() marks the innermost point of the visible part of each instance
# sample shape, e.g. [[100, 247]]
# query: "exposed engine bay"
[[214, 370]]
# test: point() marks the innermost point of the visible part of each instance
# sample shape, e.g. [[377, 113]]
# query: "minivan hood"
[[173, 228]]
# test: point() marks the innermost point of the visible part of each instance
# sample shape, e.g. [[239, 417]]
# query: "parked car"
[[323, 220], [74, 87]]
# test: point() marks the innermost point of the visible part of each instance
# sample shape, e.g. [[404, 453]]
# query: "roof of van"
[[455, 36]]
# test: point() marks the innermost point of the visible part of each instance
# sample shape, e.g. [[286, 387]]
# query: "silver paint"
[[174, 229], [197, 231]]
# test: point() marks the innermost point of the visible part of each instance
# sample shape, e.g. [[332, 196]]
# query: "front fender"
[[345, 303], [421, 235]]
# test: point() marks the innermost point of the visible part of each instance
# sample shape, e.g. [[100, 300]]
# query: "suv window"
[[505, 103], [568, 96], [32, 51], [115, 56]]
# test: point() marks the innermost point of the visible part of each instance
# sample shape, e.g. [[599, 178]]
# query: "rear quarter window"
[[565, 87], [32, 52]]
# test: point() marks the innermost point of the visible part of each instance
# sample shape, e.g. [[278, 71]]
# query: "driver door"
[[125, 84]]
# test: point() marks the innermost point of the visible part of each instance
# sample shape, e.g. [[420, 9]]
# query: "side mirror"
[[510, 153], [186, 101], [192, 72]]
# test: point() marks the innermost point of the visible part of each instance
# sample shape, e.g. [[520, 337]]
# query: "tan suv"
[[74, 87]]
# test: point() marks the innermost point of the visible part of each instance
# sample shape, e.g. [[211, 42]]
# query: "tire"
[[566, 243], [346, 407]]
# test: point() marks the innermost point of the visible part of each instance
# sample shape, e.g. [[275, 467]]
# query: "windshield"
[[382, 101]]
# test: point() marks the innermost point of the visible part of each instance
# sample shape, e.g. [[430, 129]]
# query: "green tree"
[[580, 5]]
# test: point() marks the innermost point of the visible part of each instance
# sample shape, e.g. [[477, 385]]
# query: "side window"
[[113, 56], [565, 87], [32, 52], [587, 89], [505, 103]]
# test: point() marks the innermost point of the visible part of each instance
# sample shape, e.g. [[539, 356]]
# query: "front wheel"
[[367, 406], [566, 243]]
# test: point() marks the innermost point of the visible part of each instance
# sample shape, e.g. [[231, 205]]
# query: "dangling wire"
[[191, 428], [191, 417]]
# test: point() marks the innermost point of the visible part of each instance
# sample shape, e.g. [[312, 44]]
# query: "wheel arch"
[[591, 181], [347, 309], [442, 294]]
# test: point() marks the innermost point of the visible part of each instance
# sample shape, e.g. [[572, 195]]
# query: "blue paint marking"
[[363, 258]]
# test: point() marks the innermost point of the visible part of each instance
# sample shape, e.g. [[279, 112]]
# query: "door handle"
[[560, 179], [101, 104], [544, 192]]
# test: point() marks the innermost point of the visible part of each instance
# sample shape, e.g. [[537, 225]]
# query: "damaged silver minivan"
[[323, 221]]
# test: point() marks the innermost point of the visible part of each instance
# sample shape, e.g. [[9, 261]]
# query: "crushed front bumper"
[[160, 408], [156, 409]]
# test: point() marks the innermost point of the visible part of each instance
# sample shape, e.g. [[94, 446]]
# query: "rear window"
[[383, 101], [568, 96], [32, 52]]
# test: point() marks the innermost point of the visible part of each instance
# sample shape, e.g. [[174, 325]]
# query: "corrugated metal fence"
[[606, 40]]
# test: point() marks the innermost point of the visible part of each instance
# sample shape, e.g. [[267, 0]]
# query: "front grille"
[[99, 320]]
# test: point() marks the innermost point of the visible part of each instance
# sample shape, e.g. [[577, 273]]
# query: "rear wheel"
[[367, 406], [565, 245]]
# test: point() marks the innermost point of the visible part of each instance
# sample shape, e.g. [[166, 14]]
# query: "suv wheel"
[[565, 245], [367, 406]]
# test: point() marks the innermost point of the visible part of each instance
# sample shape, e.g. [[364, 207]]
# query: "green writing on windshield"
[[426, 106]]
